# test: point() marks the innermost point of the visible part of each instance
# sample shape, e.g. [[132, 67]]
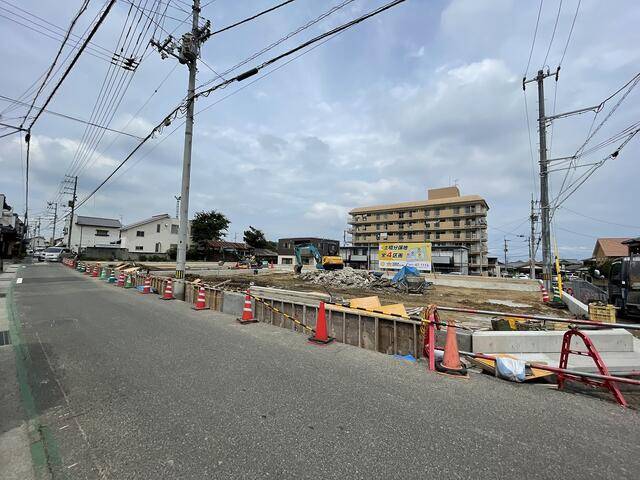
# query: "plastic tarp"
[[405, 271]]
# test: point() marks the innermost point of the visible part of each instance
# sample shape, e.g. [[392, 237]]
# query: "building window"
[[175, 228], [400, 226], [436, 212], [287, 261], [158, 247], [386, 226], [102, 233], [437, 235], [377, 216], [410, 213], [409, 235], [401, 236], [456, 223], [158, 228], [456, 234], [456, 210], [139, 247], [470, 209], [400, 214], [140, 233]]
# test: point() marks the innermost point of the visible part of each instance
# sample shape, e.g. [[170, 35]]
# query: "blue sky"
[[424, 95]]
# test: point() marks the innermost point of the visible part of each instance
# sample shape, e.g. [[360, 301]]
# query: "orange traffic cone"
[[94, 272], [120, 280], [545, 294], [247, 312], [201, 300], [146, 288], [168, 291], [320, 335], [450, 363]]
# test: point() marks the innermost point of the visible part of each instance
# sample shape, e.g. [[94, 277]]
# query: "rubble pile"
[[346, 277]]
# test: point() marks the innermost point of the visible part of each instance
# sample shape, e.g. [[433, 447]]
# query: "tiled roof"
[[612, 247]]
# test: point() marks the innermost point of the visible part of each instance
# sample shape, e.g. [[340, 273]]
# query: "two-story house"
[[157, 234], [92, 232]]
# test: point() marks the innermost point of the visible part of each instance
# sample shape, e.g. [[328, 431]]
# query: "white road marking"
[[72, 465], [19, 280]]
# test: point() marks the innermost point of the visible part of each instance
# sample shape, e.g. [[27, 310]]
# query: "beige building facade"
[[446, 218]]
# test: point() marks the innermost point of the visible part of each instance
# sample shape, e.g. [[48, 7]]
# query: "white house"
[[92, 232], [152, 235]]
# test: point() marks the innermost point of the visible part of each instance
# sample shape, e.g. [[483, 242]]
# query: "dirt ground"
[[528, 302]]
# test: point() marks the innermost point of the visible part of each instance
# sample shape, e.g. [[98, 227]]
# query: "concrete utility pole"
[[506, 249], [187, 52], [72, 204], [55, 219], [532, 243], [544, 179]]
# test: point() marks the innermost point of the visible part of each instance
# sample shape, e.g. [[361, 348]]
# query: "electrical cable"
[[566, 45], [553, 34], [228, 27], [533, 43], [167, 120], [70, 117], [637, 227], [279, 41]]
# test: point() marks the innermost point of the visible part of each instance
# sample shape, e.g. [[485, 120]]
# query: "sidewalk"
[[15, 448]]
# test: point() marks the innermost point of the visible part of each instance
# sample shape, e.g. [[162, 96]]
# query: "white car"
[[52, 254]]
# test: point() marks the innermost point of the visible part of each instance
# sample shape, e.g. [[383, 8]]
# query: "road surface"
[[133, 387]]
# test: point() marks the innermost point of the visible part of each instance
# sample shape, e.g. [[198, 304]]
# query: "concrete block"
[[575, 306], [233, 303], [615, 340], [464, 339]]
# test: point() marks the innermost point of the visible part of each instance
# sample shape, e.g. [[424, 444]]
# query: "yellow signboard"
[[397, 255]]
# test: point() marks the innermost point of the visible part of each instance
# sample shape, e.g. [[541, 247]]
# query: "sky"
[[427, 94]]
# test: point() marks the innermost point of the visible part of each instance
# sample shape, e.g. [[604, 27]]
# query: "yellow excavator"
[[323, 262]]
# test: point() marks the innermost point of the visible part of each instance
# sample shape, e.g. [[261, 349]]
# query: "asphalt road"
[[134, 387]]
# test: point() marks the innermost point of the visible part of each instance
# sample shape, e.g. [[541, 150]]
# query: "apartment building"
[[445, 218]]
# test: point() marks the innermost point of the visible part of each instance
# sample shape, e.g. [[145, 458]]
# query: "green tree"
[[255, 238], [208, 226]]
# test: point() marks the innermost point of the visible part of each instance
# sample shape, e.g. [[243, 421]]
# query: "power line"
[[281, 40], [69, 117], [600, 220], [566, 45], [253, 17], [553, 34], [74, 61], [533, 43], [174, 113]]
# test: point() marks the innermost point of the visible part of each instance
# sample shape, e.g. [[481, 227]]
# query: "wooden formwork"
[[380, 333]]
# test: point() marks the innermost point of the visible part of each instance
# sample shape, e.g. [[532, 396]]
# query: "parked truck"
[[624, 284]]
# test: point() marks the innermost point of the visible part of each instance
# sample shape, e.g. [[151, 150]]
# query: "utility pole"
[[187, 52], [544, 179], [55, 220], [532, 242], [506, 249], [72, 204], [27, 139]]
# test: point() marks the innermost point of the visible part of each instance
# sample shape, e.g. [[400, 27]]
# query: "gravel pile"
[[347, 277]]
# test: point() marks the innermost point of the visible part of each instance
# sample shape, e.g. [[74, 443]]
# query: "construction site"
[[494, 321]]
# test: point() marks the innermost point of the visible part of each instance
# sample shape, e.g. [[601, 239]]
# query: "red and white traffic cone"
[[120, 280], [94, 272], [545, 294], [320, 336], [247, 312], [168, 291], [201, 301], [146, 288]]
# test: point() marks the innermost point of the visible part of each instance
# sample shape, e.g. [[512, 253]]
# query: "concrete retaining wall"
[[233, 303], [617, 340]]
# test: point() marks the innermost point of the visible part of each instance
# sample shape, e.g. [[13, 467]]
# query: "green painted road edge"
[[44, 449]]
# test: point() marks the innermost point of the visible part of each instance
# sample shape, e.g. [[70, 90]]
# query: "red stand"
[[597, 359]]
